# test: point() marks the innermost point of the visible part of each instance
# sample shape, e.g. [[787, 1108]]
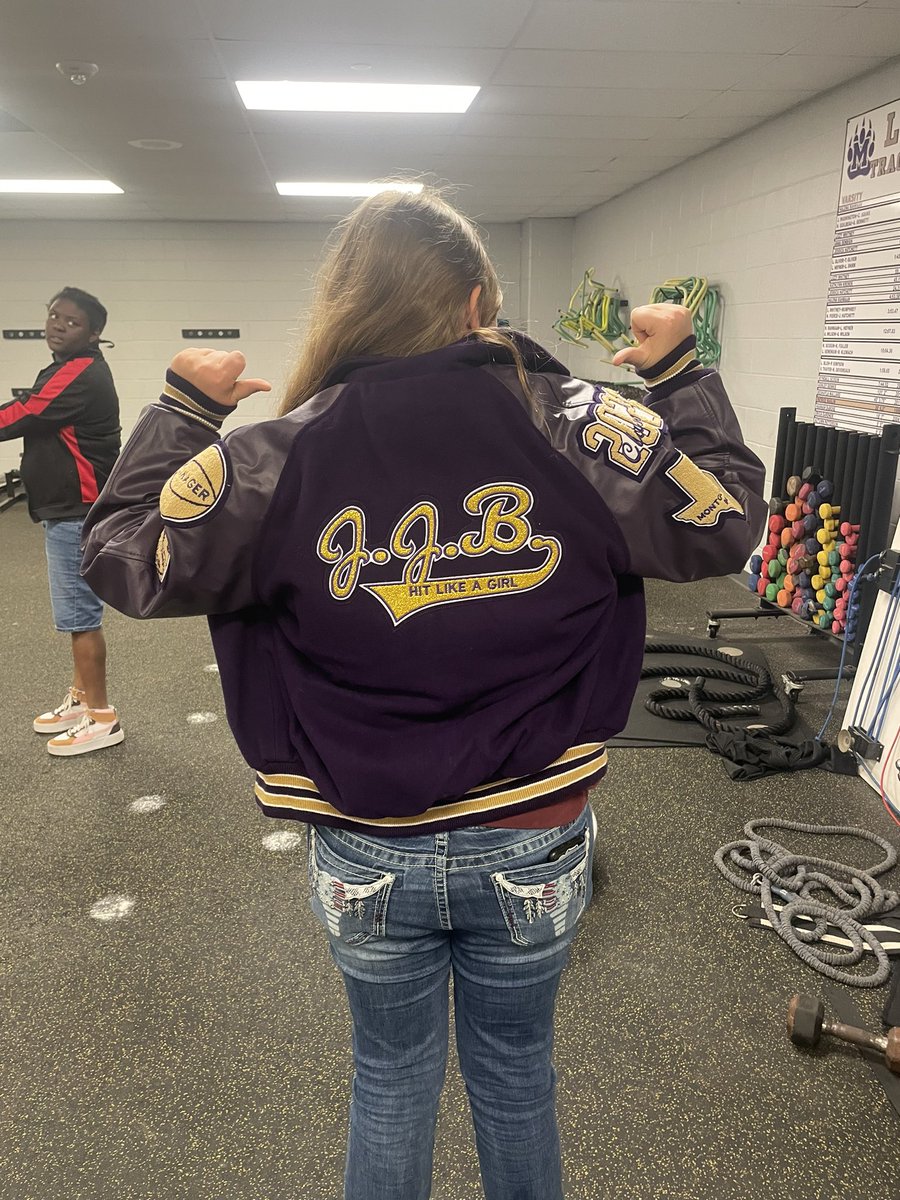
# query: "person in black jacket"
[[70, 426]]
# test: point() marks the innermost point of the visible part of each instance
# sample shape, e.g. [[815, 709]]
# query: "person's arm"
[[59, 401], [174, 529], [683, 487]]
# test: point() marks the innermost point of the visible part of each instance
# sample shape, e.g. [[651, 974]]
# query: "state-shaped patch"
[[196, 490]]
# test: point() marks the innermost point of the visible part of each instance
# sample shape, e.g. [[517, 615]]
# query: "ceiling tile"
[[580, 99], [812, 72], [130, 109], [428, 63], [578, 103], [865, 31], [389, 22], [751, 103], [697, 28], [583, 68], [550, 126], [32, 156]]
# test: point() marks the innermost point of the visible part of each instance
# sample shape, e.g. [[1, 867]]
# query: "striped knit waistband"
[[296, 796]]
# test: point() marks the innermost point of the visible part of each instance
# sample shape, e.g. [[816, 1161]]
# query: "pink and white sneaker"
[[68, 714], [97, 729]]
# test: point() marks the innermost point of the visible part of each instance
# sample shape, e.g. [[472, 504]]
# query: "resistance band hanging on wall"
[[703, 301], [594, 314]]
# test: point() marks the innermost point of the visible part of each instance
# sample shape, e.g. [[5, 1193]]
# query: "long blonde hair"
[[397, 277]]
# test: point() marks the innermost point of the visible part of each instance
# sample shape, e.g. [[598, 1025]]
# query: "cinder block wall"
[[158, 277], [755, 216]]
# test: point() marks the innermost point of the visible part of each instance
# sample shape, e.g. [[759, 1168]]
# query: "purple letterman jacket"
[[424, 588]]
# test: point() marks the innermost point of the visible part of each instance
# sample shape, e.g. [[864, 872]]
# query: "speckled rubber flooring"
[[193, 1045]]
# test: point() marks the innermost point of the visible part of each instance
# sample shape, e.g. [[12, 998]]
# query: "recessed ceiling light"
[[356, 97], [344, 189], [74, 186], [360, 66], [155, 144]]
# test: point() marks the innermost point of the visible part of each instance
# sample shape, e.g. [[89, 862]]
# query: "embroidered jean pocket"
[[542, 902], [350, 900]]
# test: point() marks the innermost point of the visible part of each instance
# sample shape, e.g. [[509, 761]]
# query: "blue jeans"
[[498, 908], [75, 607]]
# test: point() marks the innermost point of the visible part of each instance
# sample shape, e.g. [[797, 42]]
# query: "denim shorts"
[[75, 607]]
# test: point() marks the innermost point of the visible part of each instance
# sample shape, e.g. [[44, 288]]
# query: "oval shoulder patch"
[[194, 491]]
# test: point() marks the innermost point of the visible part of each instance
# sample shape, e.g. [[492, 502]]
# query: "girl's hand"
[[659, 328], [216, 373]]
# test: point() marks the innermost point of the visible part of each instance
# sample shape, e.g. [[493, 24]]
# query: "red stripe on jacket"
[[38, 401], [86, 476]]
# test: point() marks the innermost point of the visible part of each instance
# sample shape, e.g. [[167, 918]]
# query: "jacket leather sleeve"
[[173, 531], [60, 401], [685, 490]]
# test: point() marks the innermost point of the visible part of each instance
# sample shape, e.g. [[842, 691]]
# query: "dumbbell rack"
[[862, 470]]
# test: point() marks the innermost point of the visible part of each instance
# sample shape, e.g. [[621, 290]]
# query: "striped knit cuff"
[[188, 400], [677, 363]]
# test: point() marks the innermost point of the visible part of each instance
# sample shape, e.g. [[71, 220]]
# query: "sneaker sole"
[[111, 739], [58, 726]]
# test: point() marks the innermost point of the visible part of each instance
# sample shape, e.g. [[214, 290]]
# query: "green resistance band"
[[593, 314], [703, 301]]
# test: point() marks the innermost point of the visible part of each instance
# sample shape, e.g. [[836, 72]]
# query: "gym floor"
[[197, 1047]]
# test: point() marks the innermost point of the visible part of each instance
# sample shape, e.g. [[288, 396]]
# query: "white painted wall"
[[156, 278], [546, 271], [756, 217]]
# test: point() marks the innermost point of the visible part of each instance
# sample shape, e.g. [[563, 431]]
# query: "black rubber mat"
[[645, 729]]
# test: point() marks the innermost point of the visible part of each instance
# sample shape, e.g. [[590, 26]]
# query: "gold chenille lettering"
[[627, 429], [420, 558], [501, 506], [414, 541], [345, 575]]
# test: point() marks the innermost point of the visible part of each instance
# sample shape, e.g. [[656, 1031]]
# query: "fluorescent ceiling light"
[[344, 189], [356, 97], [76, 186]]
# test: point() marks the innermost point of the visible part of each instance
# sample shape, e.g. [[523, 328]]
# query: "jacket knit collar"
[[469, 352]]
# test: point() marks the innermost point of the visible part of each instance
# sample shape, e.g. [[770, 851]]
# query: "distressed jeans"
[[497, 908]]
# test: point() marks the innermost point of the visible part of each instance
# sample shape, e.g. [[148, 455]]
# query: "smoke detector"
[[77, 72]]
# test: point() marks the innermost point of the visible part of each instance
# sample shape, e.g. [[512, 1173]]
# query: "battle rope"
[[798, 878], [710, 710]]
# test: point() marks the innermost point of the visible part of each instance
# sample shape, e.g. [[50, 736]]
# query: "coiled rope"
[[710, 710], [771, 866]]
